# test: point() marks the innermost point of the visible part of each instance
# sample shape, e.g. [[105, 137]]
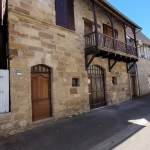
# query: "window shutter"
[[105, 29], [71, 23], [61, 13]]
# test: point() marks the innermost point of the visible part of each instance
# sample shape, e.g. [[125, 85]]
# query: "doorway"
[[96, 83], [41, 92], [133, 85]]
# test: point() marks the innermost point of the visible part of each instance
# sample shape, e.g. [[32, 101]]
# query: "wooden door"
[[96, 87], [41, 93]]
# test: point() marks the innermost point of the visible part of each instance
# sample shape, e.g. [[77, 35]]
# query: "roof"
[[118, 13], [139, 36]]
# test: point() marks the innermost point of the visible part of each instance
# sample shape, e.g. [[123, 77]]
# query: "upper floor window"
[[144, 52], [108, 31], [65, 13]]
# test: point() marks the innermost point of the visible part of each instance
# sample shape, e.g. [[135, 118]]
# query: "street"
[[123, 126]]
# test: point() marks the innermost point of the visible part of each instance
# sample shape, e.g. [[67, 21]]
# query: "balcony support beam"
[[128, 68], [87, 64], [111, 66]]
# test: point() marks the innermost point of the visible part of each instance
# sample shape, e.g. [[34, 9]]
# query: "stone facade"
[[34, 38], [144, 75]]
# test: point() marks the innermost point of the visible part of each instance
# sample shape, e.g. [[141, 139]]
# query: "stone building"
[[65, 58], [140, 73]]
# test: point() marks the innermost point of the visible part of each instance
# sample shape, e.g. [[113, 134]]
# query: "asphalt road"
[[117, 127]]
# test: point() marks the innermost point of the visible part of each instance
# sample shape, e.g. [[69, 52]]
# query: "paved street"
[[120, 127]]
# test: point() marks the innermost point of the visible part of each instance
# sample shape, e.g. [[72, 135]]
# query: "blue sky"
[[136, 10]]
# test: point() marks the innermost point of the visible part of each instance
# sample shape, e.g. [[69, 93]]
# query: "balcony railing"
[[109, 43]]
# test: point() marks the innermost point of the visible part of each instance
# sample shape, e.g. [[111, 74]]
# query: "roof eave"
[[118, 13]]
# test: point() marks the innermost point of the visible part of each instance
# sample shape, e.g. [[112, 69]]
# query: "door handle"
[[89, 93]]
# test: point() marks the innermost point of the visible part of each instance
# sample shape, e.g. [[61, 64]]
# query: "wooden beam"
[[112, 27], [125, 36], [88, 63], [95, 23], [111, 66], [133, 30], [128, 69]]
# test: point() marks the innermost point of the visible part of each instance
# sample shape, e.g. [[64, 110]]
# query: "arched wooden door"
[[96, 87], [41, 92]]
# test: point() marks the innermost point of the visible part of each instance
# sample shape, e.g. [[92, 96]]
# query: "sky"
[[136, 10]]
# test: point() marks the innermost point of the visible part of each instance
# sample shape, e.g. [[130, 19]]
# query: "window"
[[65, 13], [141, 49], [114, 80], [75, 82], [108, 31]]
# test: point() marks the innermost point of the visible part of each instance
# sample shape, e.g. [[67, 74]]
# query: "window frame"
[[69, 17]]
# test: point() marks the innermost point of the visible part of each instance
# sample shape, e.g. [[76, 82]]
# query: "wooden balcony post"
[[112, 27], [95, 24], [93, 6], [125, 36], [133, 30]]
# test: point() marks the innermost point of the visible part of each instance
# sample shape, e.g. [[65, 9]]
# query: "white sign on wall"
[[4, 91], [3, 9]]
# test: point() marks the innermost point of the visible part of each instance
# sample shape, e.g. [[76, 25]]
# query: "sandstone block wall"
[[34, 38], [119, 92]]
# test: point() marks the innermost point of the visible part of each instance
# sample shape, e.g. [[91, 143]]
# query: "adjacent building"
[[64, 58], [140, 73]]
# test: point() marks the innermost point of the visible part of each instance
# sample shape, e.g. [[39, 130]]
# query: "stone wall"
[[119, 92], [34, 38], [143, 75]]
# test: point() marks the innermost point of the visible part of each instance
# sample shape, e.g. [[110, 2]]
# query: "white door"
[[4, 91]]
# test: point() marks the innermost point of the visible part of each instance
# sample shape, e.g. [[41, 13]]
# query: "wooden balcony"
[[109, 47]]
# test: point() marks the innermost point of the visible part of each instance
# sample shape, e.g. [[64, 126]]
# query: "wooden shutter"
[[61, 13], [88, 28], [108, 31], [105, 29], [71, 23]]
